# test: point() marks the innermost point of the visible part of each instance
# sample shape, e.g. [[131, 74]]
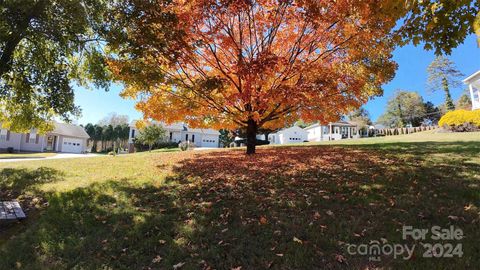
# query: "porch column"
[[330, 130], [57, 143], [43, 143], [470, 87], [349, 131], [321, 133]]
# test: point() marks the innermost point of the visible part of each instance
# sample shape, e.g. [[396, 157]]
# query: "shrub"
[[186, 145], [139, 147], [10, 150], [461, 120], [166, 145]]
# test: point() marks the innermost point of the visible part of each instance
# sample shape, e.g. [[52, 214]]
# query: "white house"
[[473, 83], [293, 134], [179, 132], [332, 131], [65, 138]]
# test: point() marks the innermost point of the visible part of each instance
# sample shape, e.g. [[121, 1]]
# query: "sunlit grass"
[[25, 155]]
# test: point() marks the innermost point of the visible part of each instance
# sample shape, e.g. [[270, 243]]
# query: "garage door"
[[71, 145], [209, 142]]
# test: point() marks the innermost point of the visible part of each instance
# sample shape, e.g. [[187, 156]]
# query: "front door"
[[51, 142]]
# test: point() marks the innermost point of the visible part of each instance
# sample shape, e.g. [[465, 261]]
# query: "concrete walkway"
[[57, 156]]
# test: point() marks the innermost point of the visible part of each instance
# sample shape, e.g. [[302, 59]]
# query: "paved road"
[[57, 156]]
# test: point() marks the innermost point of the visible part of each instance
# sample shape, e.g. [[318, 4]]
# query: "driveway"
[[57, 156]]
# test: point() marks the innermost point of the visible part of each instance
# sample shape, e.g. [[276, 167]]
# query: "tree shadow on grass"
[[284, 208], [22, 185], [326, 197], [15, 181]]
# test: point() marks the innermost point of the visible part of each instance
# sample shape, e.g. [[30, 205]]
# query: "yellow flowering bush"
[[461, 118]]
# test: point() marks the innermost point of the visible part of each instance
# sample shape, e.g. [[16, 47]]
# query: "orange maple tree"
[[252, 64]]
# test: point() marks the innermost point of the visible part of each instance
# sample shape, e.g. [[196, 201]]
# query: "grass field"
[[292, 207]]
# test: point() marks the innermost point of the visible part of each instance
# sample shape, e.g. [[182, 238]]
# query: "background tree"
[[98, 137], [226, 137], [402, 109], [303, 124], [361, 117], [45, 46], [90, 129], [151, 135], [442, 74], [432, 114], [251, 64], [108, 136], [124, 134], [465, 101], [114, 119]]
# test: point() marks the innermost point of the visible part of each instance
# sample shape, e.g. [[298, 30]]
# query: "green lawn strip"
[[25, 155]]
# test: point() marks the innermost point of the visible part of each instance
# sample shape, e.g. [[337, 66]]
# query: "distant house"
[[179, 132], [293, 134], [65, 138], [473, 83], [332, 131]]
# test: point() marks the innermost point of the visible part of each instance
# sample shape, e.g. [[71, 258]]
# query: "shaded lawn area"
[[285, 208]]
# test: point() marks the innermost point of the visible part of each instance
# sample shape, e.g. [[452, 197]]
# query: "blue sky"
[[411, 75]]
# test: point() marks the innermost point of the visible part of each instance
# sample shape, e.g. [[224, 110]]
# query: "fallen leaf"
[[157, 259], [295, 239], [339, 258], [178, 265], [453, 217], [263, 220]]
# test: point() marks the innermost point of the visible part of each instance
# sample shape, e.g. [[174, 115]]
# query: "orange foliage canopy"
[[267, 63]]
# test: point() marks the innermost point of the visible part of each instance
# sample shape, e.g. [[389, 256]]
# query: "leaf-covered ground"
[[284, 208]]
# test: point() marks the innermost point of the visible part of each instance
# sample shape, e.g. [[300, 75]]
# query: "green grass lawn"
[[291, 207], [25, 155]]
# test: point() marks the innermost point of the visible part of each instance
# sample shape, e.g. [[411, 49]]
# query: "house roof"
[[475, 76], [339, 123], [204, 131], [179, 126], [70, 130], [294, 128]]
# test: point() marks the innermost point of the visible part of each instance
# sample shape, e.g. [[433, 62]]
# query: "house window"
[[476, 95], [4, 134], [186, 137], [193, 137], [31, 138], [171, 135], [133, 133]]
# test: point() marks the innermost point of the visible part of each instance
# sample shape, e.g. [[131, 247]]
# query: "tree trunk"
[[251, 136], [448, 98]]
